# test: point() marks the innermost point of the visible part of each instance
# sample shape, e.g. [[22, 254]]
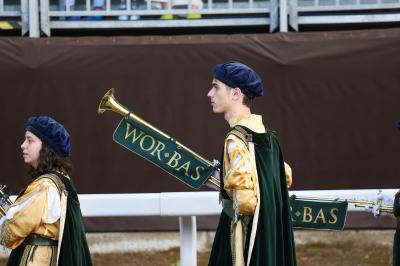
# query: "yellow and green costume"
[[47, 211], [255, 226]]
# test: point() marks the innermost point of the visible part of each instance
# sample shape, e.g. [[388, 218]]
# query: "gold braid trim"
[[64, 195], [25, 255], [5, 234], [257, 211], [55, 179]]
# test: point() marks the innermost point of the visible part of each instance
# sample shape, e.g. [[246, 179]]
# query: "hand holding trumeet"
[[380, 199], [216, 173]]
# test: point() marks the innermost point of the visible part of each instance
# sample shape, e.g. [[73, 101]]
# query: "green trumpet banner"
[[320, 215], [163, 152]]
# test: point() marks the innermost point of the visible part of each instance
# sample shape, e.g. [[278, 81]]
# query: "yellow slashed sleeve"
[[239, 176], [288, 174], [28, 219]]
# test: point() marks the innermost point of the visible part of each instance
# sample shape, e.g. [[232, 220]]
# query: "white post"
[[24, 16], [34, 30], [188, 238], [283, 23]]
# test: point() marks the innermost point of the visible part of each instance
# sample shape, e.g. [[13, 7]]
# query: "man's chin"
[[217, 111]]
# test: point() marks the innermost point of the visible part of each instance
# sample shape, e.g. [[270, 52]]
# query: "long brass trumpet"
[[108, 102], [357, 203]]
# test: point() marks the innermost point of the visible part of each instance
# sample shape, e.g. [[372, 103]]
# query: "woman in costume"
[[44, 226]]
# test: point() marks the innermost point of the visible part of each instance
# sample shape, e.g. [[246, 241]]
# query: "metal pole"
[[24, 17], [293, 15], [34, 31], [273, 15], [45, 17], [283, 21], [188, 239]]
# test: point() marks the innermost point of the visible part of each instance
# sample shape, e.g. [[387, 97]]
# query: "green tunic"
[[74, 249], [274, 243]]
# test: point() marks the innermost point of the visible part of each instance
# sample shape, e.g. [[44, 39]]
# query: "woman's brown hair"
[[49, 161]]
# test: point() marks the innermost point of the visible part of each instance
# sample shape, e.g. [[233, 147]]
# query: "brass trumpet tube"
[[108, 102], [357, 203]]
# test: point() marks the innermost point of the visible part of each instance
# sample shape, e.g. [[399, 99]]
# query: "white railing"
[[188, 205], [213, 13], [17, 14], [210, 13], [322, 12]]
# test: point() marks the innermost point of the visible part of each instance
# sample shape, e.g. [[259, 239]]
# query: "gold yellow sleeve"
[[239, 177], [28, 219], [288, 174]]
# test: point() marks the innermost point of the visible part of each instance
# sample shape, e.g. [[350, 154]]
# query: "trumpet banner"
[[318, 215], [163, 152]]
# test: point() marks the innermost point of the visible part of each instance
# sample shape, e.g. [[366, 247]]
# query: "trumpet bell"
[[105, 103]]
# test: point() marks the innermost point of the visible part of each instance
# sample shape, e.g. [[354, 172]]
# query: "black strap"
[[38, 240]]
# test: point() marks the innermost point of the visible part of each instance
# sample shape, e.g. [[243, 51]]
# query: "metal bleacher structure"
[[40, 17]]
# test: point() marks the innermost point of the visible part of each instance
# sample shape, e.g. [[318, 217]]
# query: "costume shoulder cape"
[[74, 249], [274, 242]]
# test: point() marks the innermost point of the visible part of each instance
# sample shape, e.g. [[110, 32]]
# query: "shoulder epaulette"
[[242, 134], [55, 179]]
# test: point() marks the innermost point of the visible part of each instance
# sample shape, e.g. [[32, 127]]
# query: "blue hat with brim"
[[238, 75], [50, 132]]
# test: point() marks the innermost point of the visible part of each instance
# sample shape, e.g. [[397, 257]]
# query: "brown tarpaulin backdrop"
[[332, 97]]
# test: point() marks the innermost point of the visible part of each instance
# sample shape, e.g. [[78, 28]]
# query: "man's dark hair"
[[49, 161], [246, 101]]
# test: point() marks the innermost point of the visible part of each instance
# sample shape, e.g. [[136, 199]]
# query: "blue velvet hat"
[[238, 75], [50, 132]]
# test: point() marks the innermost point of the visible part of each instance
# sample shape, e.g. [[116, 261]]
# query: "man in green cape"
[[255, 226]]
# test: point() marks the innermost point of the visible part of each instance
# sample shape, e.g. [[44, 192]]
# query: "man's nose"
[[22, 145]]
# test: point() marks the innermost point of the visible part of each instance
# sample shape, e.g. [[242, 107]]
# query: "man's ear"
[[237, 94]]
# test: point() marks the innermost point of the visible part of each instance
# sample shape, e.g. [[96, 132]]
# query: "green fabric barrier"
[[163, 152], [318, 214]]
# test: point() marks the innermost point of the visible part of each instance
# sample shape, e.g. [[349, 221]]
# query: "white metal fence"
[[213, 13], [188, 205], [16, 12], [320, 12]]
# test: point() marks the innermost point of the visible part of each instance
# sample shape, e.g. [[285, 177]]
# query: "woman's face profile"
[[31, 149]]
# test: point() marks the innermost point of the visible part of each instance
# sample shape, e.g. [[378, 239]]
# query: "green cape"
[[74, 249], [274, 243]]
